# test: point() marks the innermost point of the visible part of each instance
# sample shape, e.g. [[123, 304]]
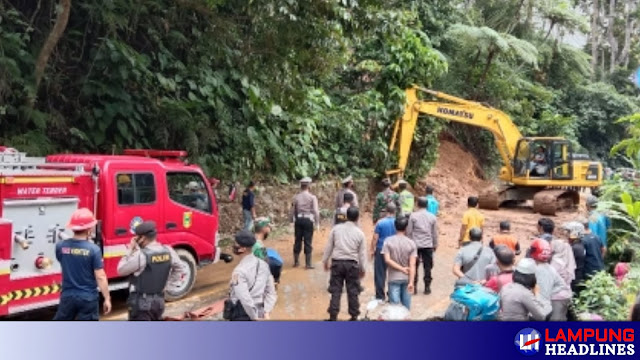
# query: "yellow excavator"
[[544, 169]]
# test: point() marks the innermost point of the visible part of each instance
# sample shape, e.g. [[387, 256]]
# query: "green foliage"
[[597, 106], [488, 41], [631, 145], [283, 89], [562, 13], [602, 296], [620, 200]]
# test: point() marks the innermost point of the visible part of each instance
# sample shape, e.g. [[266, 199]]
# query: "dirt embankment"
[[455, 175], [275, 201]]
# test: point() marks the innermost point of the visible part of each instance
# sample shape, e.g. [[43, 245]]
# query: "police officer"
[[341, 212], [345, 256], [347, 188], [383, 199], [305, 215], [253, 292], [149, 265]]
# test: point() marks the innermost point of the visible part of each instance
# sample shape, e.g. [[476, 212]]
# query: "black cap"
[[147, 228], [245, 238]]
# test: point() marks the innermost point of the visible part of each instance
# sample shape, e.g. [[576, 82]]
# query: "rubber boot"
[[427, 289], [307, 258], [296, 260]]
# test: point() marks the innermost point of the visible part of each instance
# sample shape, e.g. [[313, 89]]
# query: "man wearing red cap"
[[82, 271]]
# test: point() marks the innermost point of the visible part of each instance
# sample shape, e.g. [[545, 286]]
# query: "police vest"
[[153, 278]]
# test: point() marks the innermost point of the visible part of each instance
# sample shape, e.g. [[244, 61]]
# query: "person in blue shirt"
[[385, 227], [598, 223], [82, 271], [432, 204]]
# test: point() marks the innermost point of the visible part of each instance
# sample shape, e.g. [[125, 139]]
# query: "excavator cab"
[[543, 158]]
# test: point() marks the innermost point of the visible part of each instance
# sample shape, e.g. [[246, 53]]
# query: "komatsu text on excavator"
[[544, 169]]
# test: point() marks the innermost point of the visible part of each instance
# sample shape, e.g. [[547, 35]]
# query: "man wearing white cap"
[[347, 187], [520, 300], [305, 216]]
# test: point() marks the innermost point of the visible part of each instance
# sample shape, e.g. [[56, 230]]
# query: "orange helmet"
[[541, 250], [82, 219]]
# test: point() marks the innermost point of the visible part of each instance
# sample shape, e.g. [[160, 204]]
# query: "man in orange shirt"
[[471, 218], [505, 238]]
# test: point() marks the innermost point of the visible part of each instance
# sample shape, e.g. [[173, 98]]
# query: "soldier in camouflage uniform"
[[382, 199]]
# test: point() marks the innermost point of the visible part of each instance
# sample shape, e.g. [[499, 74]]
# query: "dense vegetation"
[[306, 87]]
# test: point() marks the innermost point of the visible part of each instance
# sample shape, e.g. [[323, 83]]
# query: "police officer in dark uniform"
[[150, 266]]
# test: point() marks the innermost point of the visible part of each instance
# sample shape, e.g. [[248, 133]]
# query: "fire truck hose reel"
[[43, 263]]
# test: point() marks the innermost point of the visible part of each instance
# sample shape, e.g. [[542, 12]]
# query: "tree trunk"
[[553, 23], [517, 17], [52, 40], [529, 18], [475, 59], [487, 66], [595, 41], [629, 27], [613, 42]]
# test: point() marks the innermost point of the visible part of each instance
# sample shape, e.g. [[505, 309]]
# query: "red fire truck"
[[38, 195]]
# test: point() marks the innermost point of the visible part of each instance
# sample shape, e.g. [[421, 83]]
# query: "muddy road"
[[302, 294]]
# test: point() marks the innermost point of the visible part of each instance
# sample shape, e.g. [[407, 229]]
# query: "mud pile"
[[455, 176]]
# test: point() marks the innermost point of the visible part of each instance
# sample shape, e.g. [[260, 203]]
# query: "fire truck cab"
[[38, 196]]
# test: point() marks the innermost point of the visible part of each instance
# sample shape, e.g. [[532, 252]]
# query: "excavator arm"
[[505, 132]]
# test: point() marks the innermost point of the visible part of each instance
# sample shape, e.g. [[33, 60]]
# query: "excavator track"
[[489, 199], [546, 201], [549, 201]]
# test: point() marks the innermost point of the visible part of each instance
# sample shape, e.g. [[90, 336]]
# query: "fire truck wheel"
[[189, 280]]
